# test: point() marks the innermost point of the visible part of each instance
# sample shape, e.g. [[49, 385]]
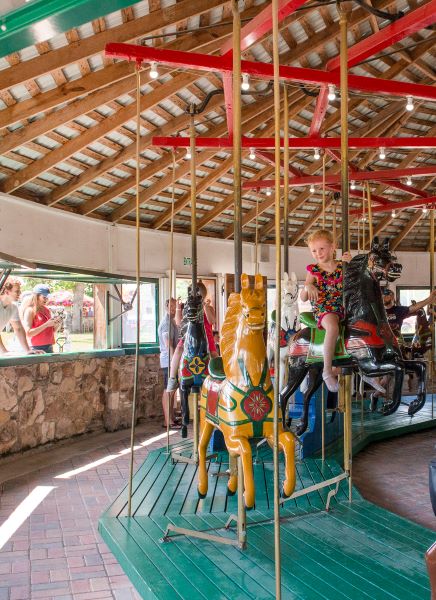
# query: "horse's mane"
[[352, 289], [229, 328]]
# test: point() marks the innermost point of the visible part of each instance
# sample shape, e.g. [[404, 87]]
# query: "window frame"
[[150, 347]]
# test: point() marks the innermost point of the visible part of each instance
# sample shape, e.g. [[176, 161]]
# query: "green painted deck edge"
[[31, 359]]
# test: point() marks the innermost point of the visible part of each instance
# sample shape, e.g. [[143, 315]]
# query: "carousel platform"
[[356, 550]]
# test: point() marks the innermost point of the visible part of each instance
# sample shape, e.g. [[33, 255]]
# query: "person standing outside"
[[9, 296], [397, 313], [38, 323], [168, 333]]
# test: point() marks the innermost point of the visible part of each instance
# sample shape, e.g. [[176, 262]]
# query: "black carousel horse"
[[195, 358], [368, 344]]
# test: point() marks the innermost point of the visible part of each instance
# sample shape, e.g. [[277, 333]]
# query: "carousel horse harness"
[[368, 344], [238, 398], [195, 357]]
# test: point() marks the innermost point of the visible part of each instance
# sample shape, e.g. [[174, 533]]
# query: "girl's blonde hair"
[[30, 301], [320, 234]]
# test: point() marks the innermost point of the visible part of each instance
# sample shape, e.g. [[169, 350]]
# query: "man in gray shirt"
[[167, 343], [9, 296]]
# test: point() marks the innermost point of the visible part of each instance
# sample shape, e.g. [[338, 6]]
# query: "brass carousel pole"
[[323, 386], [277, 548], [138, 288], [170, 397], [432, 306], [368, 196], [286, 181], [344, 11], [194, 258], [237, 155]]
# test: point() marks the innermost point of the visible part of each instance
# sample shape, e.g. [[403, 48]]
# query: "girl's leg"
[[172, 381], [330, 323]]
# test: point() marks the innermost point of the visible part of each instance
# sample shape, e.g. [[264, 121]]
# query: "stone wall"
[[43, 401]]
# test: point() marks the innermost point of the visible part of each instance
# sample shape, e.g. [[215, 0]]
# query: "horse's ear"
[[293, 276], [386, 245], [245, 281], [285, 277], [375, 244], [258, 282]]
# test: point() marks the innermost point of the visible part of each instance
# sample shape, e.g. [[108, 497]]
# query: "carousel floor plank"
[[356, 550]]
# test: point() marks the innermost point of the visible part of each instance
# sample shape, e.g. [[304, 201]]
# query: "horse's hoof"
[[300, 430], [249, 507], [373, 403], [230, 492], [201, 496], [184, 431]]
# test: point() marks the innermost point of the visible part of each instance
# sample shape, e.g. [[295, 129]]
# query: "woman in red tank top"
[[37, 320]]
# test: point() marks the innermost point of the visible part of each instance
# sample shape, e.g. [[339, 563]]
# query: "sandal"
[[331, 381]]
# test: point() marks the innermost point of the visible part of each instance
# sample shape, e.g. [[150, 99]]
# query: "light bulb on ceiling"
[[393, 214], [3, 27], [154, 73], [312, 189], [188, 154], [316, 154], [382, 153], [424, 210], [409, 181], [410, 106], [245, 85], [268, 191], [332, 94], [353, 185], [252, 154]]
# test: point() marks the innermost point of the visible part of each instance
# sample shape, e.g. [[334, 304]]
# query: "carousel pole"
[[277, 548], [323, 403], [170, 397], [368, 196], [344, 11], [194, 259], [237, 187], [138, 288], [257, 239], [432, 306], [286, 181]]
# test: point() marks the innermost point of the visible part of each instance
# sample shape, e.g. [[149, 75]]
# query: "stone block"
[[56, 375], [25, 384], [8, 395], [43, 370]]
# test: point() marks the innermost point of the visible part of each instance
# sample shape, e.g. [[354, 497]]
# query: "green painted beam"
[[41, 20]]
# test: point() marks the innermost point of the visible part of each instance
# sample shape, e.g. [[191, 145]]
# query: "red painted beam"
[[399, 205], [262, 24], [411, 23], [381, 175], [322, 103], [300, 143], [205, 62]]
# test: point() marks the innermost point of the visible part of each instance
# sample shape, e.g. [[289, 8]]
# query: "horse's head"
[[253, 304], [193, 310], [289, 290], [382, 262]]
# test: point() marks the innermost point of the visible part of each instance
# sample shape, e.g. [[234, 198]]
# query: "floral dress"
[[329, 286]]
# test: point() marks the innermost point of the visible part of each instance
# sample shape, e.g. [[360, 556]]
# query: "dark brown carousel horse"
[[368, 344]]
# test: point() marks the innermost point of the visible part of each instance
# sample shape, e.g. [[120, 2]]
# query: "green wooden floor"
[[355, 551]]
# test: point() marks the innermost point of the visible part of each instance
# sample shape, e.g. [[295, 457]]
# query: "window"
[[405, 297], [149, 313]]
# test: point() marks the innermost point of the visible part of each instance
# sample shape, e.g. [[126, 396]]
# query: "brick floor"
[[394, 475], [57, 554]]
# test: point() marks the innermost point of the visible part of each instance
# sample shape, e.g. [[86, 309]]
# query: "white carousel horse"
[[288, 326]]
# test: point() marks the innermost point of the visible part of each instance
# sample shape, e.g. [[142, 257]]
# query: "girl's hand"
[[346, 257], [312, 292]]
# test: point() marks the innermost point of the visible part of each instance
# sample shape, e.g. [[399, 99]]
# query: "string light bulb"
[[245, 85], [188, 154], [393, 214], [252, 154], [316, 154], [424, 210], [353, 185], [332, 94], [268, 191], [312, 189], [409, 181], [154, 73], [3, 27], [382, 153], [410, 106]]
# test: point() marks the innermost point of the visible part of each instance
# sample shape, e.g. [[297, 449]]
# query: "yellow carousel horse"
[[239, 399]]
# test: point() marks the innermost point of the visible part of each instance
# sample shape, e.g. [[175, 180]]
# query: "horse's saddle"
[[216, 368], [316, 348]]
